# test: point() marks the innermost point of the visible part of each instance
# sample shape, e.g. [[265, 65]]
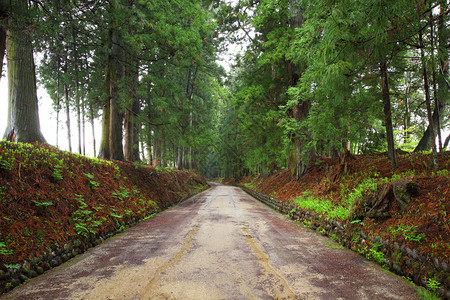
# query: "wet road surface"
[[220, 244]]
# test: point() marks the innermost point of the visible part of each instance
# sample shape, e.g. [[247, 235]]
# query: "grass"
[[321, 206]]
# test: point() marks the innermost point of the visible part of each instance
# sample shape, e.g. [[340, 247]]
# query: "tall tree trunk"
[[2, 45], [428, 103], [67, 103], [3, 19], [447, 140], [303, 154], [78, 108], [131, 147], [116, 116], [23, 117], [437, 129], [443, 56], [77, 88], [179, 157], [58, 97], [105, 151], [83, 123], [426, 140], [387, 114], [156, 148], [91, 117], [149, 150], [163, 143], [105, 144], [407, 115]]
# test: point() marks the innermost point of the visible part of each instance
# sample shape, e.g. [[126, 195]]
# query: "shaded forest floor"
[[350, 189], [54, 204]]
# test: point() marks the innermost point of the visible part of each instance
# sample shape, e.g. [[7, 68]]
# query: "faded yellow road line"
[[187, 245], [282, 290]]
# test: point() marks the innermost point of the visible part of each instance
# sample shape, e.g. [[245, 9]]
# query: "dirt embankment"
[[399, 219], [55, 204]]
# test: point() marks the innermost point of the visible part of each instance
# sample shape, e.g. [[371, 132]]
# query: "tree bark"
[[426, 140], [156, 148], [131, 136], [67, 103], [3, 18], [23, 117], [2, 47], [447, 140], [387, 114], [116, 115], [77, 91], [437, 129], [91, 117], [443, 56], [104, 151], [303, 155], [58, 97], [428, 103], [407, 115]]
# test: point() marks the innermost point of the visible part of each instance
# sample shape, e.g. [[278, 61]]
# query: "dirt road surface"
[[220, 244]]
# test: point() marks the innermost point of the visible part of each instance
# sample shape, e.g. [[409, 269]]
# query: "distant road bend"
[[220, 244]]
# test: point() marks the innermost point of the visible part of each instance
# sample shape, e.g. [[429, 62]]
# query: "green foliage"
[[433, 284], [121, 194], [57, 174], [42, 204], [91, 182], [408, 232], [83, 219], [426, 295], [6, 164], [321, 206], [12, 266], [4, 250]]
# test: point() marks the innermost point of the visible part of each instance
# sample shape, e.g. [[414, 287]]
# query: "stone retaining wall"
[[397, 258], [38, 265]]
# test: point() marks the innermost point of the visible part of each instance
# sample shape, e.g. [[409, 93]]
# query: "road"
[[220, 244]]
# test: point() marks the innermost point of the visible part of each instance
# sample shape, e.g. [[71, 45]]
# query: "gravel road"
[[220, 244]]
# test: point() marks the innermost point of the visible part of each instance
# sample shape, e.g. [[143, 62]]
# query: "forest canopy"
[[315, 78]]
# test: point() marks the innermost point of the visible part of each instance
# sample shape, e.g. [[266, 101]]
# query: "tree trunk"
[[58, 97], [163, 162], [156, 148], [407, 115], [303, 154], [116, 116], [443, 56], [179, 158], [77, 90], [91, 116], [447, 140], [437, 129], [426, 140], [2, 47], [67, 102], [23, 117], [149, 147], [131, 147], [428, 103], [3, 17], [83, 122], [104, 151], [387, 114]]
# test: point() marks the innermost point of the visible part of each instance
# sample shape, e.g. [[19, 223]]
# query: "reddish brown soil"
[[40, 212], [429, 210]]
